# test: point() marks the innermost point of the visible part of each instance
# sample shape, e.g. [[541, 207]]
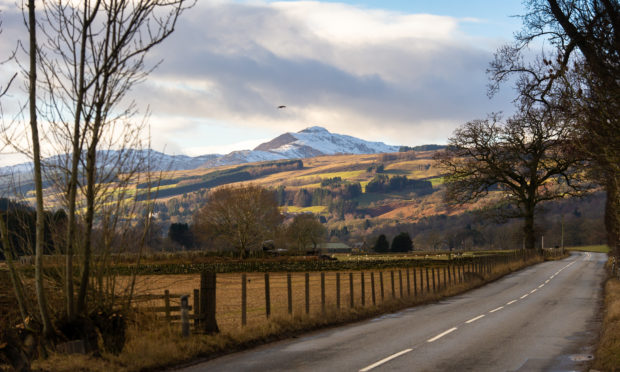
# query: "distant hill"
[[310, 142]]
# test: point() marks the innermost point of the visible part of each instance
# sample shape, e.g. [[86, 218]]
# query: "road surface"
[[543, 318]]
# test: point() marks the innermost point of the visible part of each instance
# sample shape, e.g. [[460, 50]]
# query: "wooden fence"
[[250, 298]]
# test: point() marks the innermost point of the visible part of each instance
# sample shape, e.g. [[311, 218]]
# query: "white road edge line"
[[474, 319], [498, 309], [533, 290], [524, 296], [540, 286], [511, 302], [547, 281], [383, 361], [442, 334]]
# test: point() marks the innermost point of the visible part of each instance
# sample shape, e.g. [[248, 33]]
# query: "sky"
[[400, 72]]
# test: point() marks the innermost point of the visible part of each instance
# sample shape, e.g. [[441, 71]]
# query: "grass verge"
[[590, 248], [607, 356], [153, 346]]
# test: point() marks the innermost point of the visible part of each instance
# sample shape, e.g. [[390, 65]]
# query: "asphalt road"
[[543, 318]]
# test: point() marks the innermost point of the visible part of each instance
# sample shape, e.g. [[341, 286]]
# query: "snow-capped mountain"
[[310, 142], [316, 141]]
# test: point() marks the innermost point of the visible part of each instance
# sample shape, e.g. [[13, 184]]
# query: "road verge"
[[156, 347]]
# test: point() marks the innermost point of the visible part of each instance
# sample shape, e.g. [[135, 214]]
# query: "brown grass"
[[154, 345], [607, 357]]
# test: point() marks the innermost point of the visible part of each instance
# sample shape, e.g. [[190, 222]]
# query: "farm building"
[[334, 248]]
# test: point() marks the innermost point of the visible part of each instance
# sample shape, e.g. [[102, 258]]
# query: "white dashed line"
[[533, 290], [524, 296], [511, 302], [383, 361], [474, 319], [540, 286], [442, 334], [547, 281], [498, 309]]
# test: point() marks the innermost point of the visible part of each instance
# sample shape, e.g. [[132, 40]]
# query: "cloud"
[[380, 75], [353, 70]]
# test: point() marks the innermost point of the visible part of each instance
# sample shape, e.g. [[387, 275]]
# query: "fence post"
[[307, 293], [196, 308], [408, 283], [400, 282], [167, 304], [415, 282], [381, 282], [267, 296], [185, 316], [434, 287], [244, 299], [428, 282], [445, 279], [454, 274], [338, 290], [393, 290], [289, 291], [372, 286], [323, 292], [363, 290], [351, 289], [207, 302]]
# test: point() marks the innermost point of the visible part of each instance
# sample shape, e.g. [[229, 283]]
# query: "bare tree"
[[93, 54], [585, 35], [527, 157], [78, 79], [306, 230], [243, 217], [36, 157]]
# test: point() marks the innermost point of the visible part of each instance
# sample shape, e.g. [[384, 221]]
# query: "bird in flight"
[[281, 106]]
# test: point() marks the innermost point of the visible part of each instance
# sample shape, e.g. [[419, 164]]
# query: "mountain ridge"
[[309, 142]]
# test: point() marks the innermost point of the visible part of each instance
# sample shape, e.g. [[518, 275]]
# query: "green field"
[[316, 209], [590, 248]]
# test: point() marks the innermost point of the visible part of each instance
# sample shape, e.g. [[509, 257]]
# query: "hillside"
[[360, 196], [310, 142]]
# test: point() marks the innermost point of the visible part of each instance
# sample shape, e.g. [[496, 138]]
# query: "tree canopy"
[[305, 230], [382, 245], [241, 217], [527, 157], [582, 77], [402, 243]]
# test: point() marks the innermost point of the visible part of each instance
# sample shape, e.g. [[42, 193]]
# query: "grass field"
[[228, 292], [590, 248], [316, 209]]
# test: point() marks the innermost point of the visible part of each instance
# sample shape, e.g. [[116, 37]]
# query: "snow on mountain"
[[315, 141], [310, 142]]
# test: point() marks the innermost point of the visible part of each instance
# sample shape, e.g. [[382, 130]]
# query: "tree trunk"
[[77, 154], [91, 170], [612, 215], [528, 229], [38, 183]]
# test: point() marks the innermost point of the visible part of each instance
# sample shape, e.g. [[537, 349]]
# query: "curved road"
[[542, 318]]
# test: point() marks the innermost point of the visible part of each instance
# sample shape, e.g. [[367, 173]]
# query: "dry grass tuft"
[[607, 356]]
